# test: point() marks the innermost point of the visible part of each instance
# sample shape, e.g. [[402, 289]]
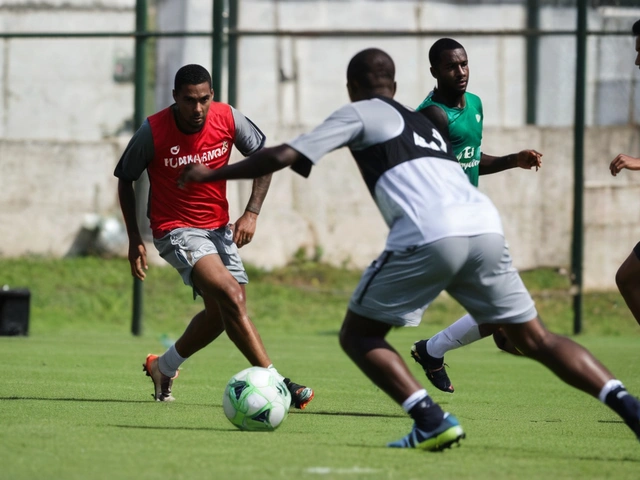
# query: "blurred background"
[[77, 77]]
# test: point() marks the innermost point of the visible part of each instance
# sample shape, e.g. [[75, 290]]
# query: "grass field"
[[74, 403]]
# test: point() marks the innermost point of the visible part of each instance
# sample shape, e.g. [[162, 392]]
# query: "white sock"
[[273, 369], [610, 385], [413, 399], [462, 332], [170, 361]]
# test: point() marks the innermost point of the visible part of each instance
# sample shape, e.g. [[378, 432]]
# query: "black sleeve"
[[302, 166]]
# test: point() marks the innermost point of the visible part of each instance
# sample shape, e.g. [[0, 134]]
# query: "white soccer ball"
[[256, 399]]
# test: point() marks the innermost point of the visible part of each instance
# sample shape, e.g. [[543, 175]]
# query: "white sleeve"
[[342, 128]]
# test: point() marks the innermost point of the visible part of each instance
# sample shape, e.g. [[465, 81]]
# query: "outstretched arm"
[[259, 166], [624, 161], [261, 163], [526, 159]]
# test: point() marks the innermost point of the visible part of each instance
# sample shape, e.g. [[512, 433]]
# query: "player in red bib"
[[191, 228]]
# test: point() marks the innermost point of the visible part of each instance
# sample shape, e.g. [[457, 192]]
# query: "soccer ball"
[[256, 399]]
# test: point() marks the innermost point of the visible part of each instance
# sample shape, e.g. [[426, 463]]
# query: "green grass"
[[74, 403]]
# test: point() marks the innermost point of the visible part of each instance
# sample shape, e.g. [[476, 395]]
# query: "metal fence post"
[[138, 118], [578, 165], [216, 49], [533, 25], [232, 62]]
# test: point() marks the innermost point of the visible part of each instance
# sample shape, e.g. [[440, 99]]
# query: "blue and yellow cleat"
[[448, 433]]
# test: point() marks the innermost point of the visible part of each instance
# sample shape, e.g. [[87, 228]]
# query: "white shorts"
[[183, 247], [399, 286]]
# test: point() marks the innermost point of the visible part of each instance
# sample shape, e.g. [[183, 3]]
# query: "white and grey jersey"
[[410, 170]]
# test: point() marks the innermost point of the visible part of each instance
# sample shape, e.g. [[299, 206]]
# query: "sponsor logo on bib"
[[202, 157]]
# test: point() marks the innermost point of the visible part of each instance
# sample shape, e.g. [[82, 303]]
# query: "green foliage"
[[306, 296]]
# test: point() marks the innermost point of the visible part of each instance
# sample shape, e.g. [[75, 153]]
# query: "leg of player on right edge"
[[577, 367], [628, 281]]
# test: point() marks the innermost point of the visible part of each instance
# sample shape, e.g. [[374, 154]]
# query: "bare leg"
[[571, 362], [628, 281], [216, 284], [203, 329], [225, 310], [503, 343], [363, 340], [577, 367]]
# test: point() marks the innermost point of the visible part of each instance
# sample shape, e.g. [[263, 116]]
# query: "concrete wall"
[[332, 209], [64, 117], [48, 190], [537, 208], [64, 88]]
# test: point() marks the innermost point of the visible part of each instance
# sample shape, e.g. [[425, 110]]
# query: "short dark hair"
[[636, 29], [442, 45], [191, 75], [371, 68]]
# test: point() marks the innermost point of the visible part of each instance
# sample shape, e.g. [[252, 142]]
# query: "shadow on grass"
[[519, 452], [114, 400], [151, 427], [295, 411], [64, 399], [83, 400], [350, 414]]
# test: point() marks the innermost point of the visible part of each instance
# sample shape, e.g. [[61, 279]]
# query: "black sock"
[[625, 405], [427, 414]]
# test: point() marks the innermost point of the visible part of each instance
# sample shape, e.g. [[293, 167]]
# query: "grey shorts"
[[399, 286], [183, 247]]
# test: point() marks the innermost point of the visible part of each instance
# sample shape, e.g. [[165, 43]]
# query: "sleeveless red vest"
[[200, 205]]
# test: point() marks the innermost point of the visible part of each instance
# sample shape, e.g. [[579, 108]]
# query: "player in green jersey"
[[464, 125], [458, 114]]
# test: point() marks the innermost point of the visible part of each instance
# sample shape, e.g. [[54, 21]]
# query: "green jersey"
[[465, 132]]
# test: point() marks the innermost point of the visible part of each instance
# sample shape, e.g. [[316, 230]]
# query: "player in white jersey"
[[444, 235]]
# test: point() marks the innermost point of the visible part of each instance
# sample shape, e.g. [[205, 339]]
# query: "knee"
[[230, 300], [623, 280], [351, 339], [346, 339], [628, 274], [231, 293], [538, 346], [236, 296]]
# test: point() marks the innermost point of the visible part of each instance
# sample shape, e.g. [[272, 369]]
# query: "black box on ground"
[[14, 311]]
